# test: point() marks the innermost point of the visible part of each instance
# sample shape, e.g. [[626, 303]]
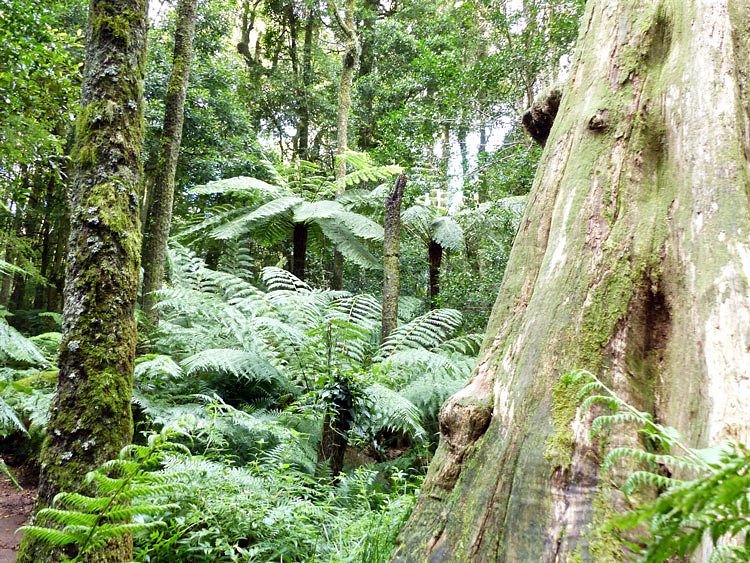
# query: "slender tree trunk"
[[307, 80], [434, 261], [349, 62], [632, 262], [57, 277], [90, 419], [159, 213], [366, 133], [391, 254], [299, 249]]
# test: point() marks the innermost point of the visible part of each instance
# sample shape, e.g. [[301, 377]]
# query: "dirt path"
[[15, 508]]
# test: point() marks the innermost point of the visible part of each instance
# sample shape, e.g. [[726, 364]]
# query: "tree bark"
[[90, 419], [159, 212], [349, 62], [391, 254], [632, 261]]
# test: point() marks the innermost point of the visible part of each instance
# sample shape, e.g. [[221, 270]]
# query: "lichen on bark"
[[90, 419]]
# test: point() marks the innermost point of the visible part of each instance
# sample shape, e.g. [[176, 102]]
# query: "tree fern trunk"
[[90, 419], [299, 249], [159, 212], [632, 261], [434, 260]]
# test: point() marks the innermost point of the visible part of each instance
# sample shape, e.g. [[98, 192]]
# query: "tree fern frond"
[[349, 245], [409, 307], [392, 411], [17, 347], [240, 185], [316, 210], [9, 421], [239, 363], [466, 344], [157, 366], [447, 233], [261, 216], [360, 226]]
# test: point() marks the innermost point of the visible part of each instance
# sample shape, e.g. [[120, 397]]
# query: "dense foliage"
[[256, 370]]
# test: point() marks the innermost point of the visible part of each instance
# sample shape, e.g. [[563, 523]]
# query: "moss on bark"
[[90, 419], [628, 262]]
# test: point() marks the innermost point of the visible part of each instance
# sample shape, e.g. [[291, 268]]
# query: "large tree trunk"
[[349, 62], [90, 420], [161, 198], [632, 261], [391, 254]]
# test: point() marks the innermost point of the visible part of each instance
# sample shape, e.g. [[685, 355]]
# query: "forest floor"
[[15, 509]]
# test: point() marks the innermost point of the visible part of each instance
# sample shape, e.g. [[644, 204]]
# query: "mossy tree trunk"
[[349, 63], [90, 419], [632, 261], [391, 255], [159, 212]]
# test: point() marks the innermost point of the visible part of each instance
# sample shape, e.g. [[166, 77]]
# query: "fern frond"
[[641, 479], [9, 421], [426, 331], [394, 412], [276, 279], [240, 185], [51, 536], [349, 245], [262, 216], [447, 233], [239, 363], [17, 347], [467, 344]]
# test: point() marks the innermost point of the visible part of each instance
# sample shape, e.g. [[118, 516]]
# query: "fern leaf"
[[447, 233], [51, 536], [349, 245], [240, 185], [426, 331], [275, 209]]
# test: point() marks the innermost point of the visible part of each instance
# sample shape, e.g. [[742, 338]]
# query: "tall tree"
[[631, 262], [90, 420], [349, 62], [161, 193]]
